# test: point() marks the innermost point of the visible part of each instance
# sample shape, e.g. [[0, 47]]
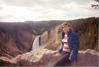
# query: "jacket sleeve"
[[74, 47]]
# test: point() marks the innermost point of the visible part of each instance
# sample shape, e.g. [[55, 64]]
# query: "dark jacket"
[[73, 42]]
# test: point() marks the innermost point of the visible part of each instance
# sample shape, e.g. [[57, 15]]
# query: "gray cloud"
[[22, 2], [46, 9], [43, 2]]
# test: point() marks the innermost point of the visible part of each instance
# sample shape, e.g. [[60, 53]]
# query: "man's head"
[[66, 27]]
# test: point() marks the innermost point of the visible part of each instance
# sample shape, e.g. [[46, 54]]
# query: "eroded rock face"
[[15, 40], [86, 29]]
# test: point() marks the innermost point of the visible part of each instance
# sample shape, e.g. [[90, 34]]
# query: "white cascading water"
[[36, 43]]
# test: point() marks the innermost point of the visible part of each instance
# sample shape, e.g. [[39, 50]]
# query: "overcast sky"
[[22, 10]]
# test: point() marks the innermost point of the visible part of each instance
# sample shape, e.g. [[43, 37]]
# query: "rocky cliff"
[[16, 41], [87, 30], [17, 37]]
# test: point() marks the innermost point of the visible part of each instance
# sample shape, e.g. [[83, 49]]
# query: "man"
[[70, 45]]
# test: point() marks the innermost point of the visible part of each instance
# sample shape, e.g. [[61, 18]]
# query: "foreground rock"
[[40, 57], [88, 58], [45, 57], [6, 62]]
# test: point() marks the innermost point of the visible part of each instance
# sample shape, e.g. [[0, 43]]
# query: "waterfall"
[[36, 43]]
